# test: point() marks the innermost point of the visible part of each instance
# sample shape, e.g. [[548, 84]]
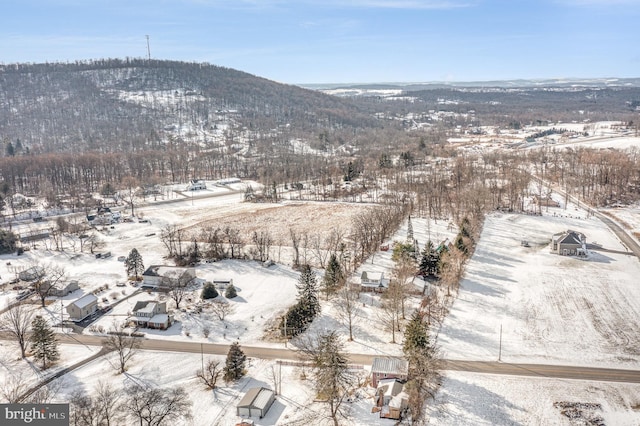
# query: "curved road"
[[487, 367]]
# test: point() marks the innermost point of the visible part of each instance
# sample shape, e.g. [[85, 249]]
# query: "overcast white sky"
[[338, 41]]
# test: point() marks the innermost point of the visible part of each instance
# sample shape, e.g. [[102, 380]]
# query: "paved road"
[[487, 367]]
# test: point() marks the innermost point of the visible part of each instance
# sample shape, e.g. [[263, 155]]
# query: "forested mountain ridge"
[[115, 105]]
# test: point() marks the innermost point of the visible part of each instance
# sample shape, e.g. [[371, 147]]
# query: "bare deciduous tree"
[[13, 387], [154, 407], [123, 344], [347, 306], [222, 308], [211, 374], [179, 286], [17, 321], [47, 280], [262, 241]]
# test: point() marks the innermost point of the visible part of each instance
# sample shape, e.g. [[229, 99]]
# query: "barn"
[[255, 403]]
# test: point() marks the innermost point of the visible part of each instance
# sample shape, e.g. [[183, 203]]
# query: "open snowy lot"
[[470, 399], [551, 309]]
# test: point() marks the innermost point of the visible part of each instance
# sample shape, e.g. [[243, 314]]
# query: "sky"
[[338, 41]]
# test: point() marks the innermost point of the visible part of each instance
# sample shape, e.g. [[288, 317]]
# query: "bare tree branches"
[[17, 321], [211, 374], [123, 344]]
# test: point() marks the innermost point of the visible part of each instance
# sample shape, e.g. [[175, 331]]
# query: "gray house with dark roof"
[[569, 243]]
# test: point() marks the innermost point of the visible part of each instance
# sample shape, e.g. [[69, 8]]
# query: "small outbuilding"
[[255, 403], [388, 368], [83, 307]]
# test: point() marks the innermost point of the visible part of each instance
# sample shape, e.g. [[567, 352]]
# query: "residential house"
[[156, 275], [569, 243], [373, 281], [392, 399], [545, 201], [151, 314], [388, 368], [222, 283], [255, 403], [196, 184], [31, 274], [68, 288], [82, 307]]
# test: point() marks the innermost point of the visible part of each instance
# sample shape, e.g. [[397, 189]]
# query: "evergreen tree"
[[416, 338], [10, 150], [134, 264], [234, 365], [405, 250], [429, 261], [230, 292], [43, 342], [209, 291], [409, 231], [7, 241], [333, 276], [308, 293], [423, 375]]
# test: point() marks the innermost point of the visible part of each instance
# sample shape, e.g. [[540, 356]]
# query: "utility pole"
[[148, 49], [500, 348], [285, 331], [202, 357]]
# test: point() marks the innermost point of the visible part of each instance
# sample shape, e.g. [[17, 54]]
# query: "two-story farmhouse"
[[151, 314]]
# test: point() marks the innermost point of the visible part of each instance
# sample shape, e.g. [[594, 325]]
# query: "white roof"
[[389, 365], [85, 301], [159, 319]]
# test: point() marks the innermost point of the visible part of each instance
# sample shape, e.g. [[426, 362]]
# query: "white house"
[[155, 275], [196, 184], [373, 281], [151, 314]]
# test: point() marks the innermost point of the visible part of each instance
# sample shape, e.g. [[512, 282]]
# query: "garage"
[[255, 403]]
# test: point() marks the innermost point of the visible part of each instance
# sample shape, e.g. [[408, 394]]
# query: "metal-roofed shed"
[[255, 403]]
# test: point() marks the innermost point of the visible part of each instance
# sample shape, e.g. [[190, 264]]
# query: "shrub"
[[209, 291]]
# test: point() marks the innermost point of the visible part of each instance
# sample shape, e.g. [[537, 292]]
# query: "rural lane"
[[487, 367]]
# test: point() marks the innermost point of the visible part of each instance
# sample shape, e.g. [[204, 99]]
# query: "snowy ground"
[[470, 399], [552, 309]]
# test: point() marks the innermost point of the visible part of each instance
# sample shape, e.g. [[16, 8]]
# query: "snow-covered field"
[[551, 309]]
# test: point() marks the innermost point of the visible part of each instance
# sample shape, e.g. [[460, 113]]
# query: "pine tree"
[[429, 261], [423, 375], [234, 365], [409, 231], [333, 276], [43, 342], [308, 293], [134, 264], [209, 291], [230, 292]]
